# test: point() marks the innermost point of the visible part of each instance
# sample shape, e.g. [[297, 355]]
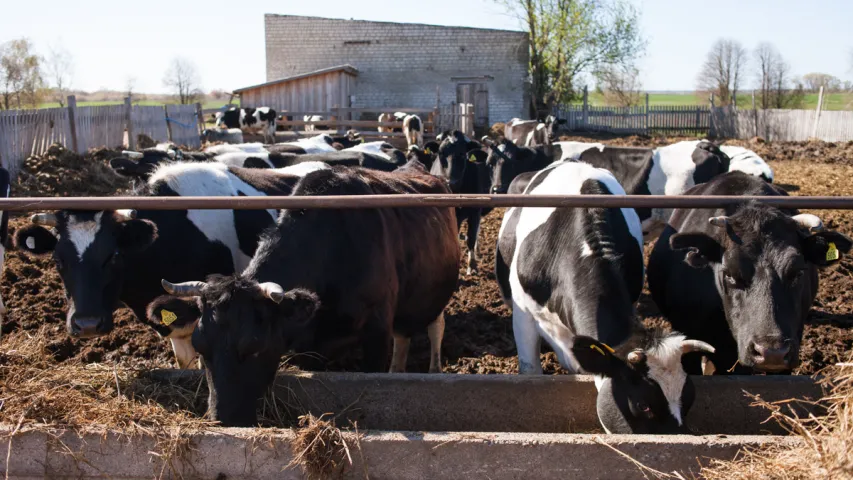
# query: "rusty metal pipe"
[[385, 201]]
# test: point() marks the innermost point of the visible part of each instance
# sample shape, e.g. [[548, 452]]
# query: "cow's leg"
[[400, 353], [376, 339], [435, 330], [460, 217], [472, 241], [184, 351], [560, 338], [527, 341]]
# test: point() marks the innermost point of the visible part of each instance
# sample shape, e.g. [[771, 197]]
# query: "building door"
[[478, 95]]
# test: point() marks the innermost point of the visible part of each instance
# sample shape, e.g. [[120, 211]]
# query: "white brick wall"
[[403, 63]]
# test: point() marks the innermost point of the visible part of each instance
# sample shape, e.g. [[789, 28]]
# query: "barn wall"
[[317, 93], [400, 65]]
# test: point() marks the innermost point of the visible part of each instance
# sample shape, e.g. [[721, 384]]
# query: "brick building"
[[395, 65]]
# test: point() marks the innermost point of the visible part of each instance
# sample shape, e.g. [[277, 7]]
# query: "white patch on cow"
[[573, 150], [502, 148], [586, 251], [264, 110], [747, 161], [302, 169], [540, 127], [31, 243], [82, 233], [317, 144], [564, 179], [255, 147], [374, 148], [665, 368], [671, 174]]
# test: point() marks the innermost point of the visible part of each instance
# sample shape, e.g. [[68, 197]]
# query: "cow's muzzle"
[[771, 355], [86, 327]]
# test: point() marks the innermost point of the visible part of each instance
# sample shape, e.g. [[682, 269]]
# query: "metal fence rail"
[[395, 201]]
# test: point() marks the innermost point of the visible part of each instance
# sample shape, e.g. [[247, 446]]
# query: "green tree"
[[572, 38], [20, 74]]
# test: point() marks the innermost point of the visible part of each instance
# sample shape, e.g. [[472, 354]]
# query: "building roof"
[[353, 20], [349, 69]]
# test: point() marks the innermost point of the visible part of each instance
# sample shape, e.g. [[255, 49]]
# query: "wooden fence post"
[[754, 115], [711, 130], [817, 112], [647, 113], [128, 119], [585, 117], [200, 114], [168, 123], [72, 122]]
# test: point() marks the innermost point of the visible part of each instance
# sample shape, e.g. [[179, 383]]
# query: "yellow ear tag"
[[472, 158], [427, 151], [832, 253], [608, 348], [595, 347], [167, 317]]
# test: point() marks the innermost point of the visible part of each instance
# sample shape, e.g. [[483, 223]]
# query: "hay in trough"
[[825, 450], [322, 449]]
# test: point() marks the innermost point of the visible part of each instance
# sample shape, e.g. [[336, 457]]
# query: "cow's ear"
[[179, 314], [477, 156], [595, 357], [703, 248], [35, 239], [825, 248], [297, 317], [136, 235]]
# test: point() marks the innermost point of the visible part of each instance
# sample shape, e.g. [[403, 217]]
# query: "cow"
[[310, 127], [426, 155], [382, 149], [742, 277], [324, 278], [226, 135], [386, 118], [573, 276], [747, 161], [462, 163], [413, 130], [253, 147], [507, 160], [281, 160], [531, 133], [109, 257], [261, 119]]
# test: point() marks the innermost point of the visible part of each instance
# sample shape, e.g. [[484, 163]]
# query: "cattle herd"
[[236, 290]]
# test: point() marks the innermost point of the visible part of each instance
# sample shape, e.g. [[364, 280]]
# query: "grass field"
[[833, 101]]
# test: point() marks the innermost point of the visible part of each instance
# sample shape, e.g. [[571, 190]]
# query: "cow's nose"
[[770, 355], [86, 327]]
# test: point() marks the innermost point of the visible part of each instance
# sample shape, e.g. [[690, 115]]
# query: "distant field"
[[205, 105], [833, 101]]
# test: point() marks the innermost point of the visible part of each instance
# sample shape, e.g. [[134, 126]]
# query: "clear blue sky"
[[113, 39]]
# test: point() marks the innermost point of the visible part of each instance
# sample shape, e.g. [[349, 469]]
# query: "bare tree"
[[20, 74], [777, 88], [813, 82], [129, 85], [620, 85], [723, 70], [182, 78], [60, 68]]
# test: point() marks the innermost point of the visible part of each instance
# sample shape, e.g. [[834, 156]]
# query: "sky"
[[113, 40]]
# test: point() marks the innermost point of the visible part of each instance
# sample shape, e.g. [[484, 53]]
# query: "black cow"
[[109, 257], [572, 276], [425, 155], [742, 277], [281, 160], [507, 160], [531, 133], [462, 163], [260, 119], [324, 278]]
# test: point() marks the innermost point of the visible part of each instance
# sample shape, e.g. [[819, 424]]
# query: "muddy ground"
[[478, 336]]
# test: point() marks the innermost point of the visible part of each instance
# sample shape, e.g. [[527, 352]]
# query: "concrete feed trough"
[[432, 426]]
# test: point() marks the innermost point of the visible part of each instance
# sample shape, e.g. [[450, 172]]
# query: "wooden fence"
[[783, 125], [671, 120], [31, 132]]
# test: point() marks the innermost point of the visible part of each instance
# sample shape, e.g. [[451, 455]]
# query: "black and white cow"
[[531, 133], [227, 135], [462, 163], [110, 257], [573, 276], [747, 161], [315, 118], [413, 129], [426, 155], [261, 119], [742, 277], [324, 279], [350, 158], [381, 149], [507, 160]]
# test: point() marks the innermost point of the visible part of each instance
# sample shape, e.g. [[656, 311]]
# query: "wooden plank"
[[72, 124]]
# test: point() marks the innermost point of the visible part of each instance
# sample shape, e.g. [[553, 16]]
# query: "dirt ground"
[[478, 336]]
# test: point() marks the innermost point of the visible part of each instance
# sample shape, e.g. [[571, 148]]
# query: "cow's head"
[[765, 268], [645, 390], [426, 155], [176, 318], [552, 127], [505, 164], [244, 329], [454, 153], [89, 249], [219, 119]]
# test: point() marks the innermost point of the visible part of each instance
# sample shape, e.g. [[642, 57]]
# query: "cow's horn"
[[126, 214], [720, 222], [46, 219], [185, 289], [273, 291], [810, 222], [688, 346]]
